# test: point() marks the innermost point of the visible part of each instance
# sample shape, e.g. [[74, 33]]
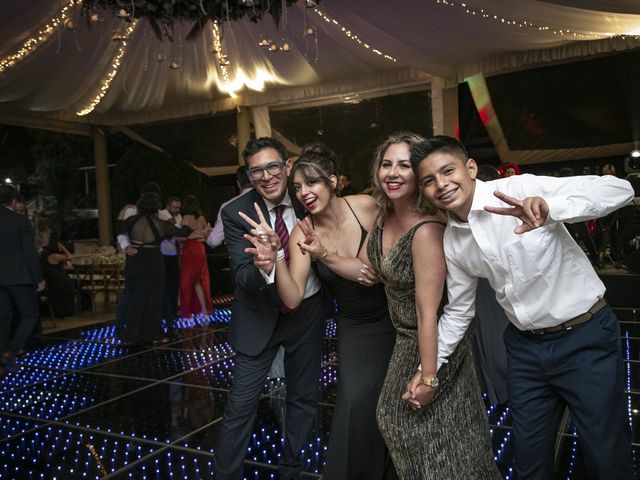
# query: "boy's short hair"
[[438, 143], [172, 199]]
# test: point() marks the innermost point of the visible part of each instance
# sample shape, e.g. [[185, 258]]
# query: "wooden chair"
[[44, 300]]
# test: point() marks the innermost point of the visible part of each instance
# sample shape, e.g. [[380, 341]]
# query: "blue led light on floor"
[[73, 355], [127, 403]]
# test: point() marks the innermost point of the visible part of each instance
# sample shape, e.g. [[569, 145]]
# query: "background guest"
[[216, 236], [195, 292], [344, 185], [61, 291], [20, 277], [169, 249], [145, 270]]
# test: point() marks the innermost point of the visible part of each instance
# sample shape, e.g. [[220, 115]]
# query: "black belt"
[[585, 317]]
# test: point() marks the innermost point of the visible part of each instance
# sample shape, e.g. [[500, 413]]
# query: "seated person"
[[61, 291]]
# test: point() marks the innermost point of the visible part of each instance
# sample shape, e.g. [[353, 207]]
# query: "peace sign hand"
[[311, 243], [264, 256], [262, 231], [532, 211]]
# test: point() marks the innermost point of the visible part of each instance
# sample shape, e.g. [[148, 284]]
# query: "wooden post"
[[103, 193], [244, 131], [444, 108]]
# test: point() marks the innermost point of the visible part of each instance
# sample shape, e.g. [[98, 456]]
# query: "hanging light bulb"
[[69, 25], [122, 13], [310, 31], [274, 47], [285, 47], [95, 18], [174, 65], [310, 3], [264, 42], [160, 57]]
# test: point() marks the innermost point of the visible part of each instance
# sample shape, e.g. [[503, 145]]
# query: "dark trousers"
[[25, 300], [171, 288], [583, 369], [301, 336]]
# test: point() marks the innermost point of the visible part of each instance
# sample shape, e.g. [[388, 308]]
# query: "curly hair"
[[149, 203], [422, 207]]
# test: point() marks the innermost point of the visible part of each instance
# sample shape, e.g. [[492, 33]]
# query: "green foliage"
[[57, 158], [139, 165]]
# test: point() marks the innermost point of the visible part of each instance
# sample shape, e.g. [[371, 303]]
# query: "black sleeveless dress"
[[365, 343], [145, 275]]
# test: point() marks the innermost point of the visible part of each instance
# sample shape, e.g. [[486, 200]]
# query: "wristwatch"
[[432, 382]]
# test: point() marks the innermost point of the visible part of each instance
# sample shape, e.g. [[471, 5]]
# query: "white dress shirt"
[[216, 236], [289, 216], [168, 246], [123, 239], [542, 278]]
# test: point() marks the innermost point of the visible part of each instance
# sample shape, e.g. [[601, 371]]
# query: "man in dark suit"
[[260, 325], [20, 277]]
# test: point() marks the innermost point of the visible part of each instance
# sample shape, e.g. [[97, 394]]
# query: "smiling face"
[[173, 207], [395, 176], [448, 182], [270, 187], [313, 192]]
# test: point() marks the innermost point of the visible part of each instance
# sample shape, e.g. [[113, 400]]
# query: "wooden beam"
[[216, 171], [44, 123]]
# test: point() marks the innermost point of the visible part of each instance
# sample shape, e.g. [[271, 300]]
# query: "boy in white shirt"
[[563, 341]]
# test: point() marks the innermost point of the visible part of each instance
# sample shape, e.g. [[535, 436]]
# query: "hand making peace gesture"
[[532, 211]]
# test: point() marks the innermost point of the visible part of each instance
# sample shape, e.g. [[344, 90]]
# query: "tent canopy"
[[119, 73]]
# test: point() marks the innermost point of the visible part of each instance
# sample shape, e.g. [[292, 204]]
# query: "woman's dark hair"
[[316, 162], [149, 203], [191, 206]]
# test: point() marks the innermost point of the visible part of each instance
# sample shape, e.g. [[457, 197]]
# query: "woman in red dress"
[[195, 296]]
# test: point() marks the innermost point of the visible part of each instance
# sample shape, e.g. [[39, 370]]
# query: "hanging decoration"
[[163, 14], [115, 66], [41, 36]]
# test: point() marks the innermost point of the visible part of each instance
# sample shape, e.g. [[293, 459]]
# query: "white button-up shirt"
[[541, 278]]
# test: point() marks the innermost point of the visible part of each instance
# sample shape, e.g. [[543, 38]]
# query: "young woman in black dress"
[[337, 228]]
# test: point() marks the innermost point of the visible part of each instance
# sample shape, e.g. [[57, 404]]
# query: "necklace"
[[334, 240]]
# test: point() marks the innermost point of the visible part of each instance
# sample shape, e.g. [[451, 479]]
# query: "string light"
[[115, 66], [564, 32], [352, 36], [32, 43], [242, 79], [223, 61]]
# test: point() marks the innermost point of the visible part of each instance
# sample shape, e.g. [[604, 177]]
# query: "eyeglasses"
[[257, 173]]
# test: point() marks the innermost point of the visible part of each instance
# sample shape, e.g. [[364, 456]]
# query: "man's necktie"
[[281, 229]]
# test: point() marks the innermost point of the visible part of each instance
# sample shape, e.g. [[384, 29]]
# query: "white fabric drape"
[[65, 72]]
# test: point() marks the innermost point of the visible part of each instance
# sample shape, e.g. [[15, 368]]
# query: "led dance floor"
[[80, 405]]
